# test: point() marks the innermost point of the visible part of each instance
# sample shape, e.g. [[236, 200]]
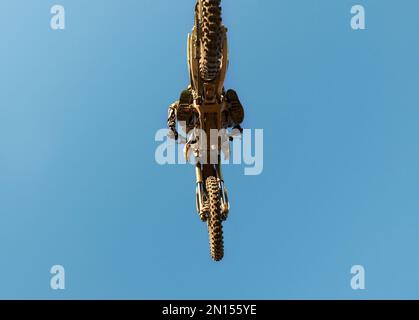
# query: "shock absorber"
[[201, 203], [225, 205]]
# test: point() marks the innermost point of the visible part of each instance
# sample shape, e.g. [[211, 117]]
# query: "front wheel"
[[215, 227]]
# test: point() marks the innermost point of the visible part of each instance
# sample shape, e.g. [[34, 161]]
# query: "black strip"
[[190, 309]]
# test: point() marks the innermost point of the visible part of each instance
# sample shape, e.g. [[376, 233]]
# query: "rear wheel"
[[215, 227], [211, 39]]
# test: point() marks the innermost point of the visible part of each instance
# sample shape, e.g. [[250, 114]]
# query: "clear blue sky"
[[79, 185]]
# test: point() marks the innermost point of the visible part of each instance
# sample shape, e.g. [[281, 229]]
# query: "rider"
[[183, 110]]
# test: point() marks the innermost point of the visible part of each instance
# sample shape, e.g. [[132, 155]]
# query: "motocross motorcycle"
[[208, 62]]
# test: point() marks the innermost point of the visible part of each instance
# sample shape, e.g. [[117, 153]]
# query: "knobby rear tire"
[[211, 39]]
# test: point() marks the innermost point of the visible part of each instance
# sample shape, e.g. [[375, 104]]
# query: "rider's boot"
[[186, 97], [236, 109]]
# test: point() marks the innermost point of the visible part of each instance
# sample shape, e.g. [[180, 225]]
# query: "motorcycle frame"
[[209, 102]]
